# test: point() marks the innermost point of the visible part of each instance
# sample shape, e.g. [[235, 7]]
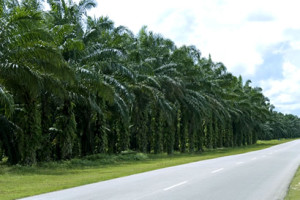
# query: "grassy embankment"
[[294, 189], [20, 181]]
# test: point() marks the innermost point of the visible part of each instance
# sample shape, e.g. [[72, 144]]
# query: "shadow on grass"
[[73, 165], [126, 158]]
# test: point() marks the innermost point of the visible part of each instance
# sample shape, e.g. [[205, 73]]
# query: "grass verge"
[[21, 181], [294, 189]]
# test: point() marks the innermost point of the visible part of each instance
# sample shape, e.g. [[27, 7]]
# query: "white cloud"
[[284, 93], [295, 45]]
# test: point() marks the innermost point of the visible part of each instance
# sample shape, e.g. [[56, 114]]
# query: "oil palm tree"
[[28, 62]]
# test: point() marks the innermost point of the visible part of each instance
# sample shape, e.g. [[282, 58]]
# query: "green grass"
[[294, 189], [21, 181]]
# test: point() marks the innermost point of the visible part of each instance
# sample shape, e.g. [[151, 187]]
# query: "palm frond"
[[165, 67], [6, 99]]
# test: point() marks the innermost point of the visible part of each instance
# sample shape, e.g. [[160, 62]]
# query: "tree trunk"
[[31, 129]]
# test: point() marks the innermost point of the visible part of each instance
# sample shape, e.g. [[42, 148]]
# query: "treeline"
[[71, 85]]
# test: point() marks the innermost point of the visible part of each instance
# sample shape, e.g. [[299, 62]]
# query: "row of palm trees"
[[72, 85]]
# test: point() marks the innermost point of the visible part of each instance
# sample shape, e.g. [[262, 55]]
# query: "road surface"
[[258, 175]]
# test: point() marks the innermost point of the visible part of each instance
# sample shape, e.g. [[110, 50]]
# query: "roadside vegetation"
[[294, 189], [73, 86], [19, 181]]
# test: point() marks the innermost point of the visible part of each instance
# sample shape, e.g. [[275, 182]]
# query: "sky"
[[258, 39]]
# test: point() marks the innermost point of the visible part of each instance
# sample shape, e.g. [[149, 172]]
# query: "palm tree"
[[155, 80], [28, 61]]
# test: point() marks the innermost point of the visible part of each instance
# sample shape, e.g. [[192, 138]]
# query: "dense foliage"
[[71, 85]]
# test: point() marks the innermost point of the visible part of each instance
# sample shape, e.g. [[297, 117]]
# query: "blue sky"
[[259, 39]]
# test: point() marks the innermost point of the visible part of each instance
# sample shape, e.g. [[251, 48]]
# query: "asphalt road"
[[258, 175]]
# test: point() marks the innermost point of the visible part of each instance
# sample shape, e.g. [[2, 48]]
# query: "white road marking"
[[239, 163], [218, 170], [168, 188], [254, 158]]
